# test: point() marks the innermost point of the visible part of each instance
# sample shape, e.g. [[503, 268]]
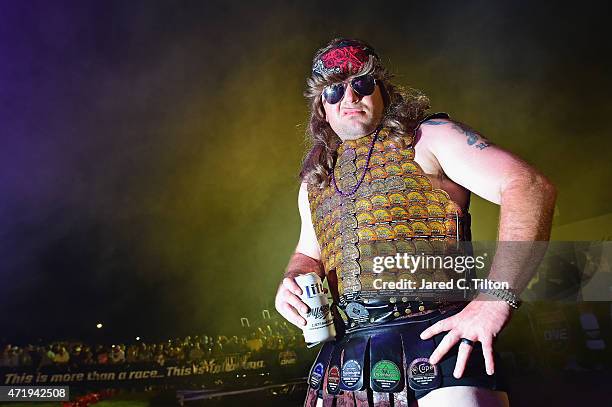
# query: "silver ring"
[[467, 341]]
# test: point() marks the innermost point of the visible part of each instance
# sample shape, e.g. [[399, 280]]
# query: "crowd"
[[275, 335]]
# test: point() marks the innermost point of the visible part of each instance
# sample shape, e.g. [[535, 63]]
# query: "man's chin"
[[356, 131]]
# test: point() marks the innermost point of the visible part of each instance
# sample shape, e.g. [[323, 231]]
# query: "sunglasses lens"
[[333, 93], [364, 85]]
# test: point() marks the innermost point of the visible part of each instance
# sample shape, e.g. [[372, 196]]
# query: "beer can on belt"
[[319, 319]]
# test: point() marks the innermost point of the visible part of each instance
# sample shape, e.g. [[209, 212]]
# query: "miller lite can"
[[319, 319]]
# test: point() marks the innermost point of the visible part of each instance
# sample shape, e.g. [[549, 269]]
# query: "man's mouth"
[[351, 112]]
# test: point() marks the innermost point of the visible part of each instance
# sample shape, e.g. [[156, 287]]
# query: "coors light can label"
[[319, 319]]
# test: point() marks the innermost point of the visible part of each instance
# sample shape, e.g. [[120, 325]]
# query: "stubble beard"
[[355, 130]]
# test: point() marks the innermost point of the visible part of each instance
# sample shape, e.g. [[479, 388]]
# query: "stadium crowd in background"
[[275, 335]]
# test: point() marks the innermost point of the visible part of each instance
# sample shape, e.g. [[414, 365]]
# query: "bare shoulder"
[[437, 136], [436, 133]]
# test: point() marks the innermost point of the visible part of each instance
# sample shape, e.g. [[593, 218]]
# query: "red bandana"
[[348, 58]]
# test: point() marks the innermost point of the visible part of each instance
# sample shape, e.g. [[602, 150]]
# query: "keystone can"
[[319, 319]]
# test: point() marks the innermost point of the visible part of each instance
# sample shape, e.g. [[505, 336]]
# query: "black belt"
[[361, 315]]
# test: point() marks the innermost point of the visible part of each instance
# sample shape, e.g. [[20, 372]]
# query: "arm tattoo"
[[472, 137], [434, 122]]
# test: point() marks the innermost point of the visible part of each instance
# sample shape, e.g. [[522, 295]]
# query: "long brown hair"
[[404, 108]]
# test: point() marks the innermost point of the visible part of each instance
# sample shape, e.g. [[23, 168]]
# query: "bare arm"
[[308, 243], [527, 201], [304, 260], [526, 196]]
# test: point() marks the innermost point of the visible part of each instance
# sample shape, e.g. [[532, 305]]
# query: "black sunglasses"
[[364, 85]]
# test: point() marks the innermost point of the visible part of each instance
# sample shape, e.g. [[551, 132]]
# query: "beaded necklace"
[[365, 168]]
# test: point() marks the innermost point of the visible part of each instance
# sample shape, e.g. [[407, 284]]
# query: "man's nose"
[[350, 96]]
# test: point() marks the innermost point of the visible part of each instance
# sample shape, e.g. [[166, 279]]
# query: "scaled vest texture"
[[394, 210]]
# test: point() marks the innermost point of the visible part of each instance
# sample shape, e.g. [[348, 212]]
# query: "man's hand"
[[287, 302], [481, 320]]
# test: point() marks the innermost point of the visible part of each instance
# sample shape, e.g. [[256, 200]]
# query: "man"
[[383, 177]]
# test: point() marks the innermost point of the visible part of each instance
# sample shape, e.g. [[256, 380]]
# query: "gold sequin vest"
[[394, 210]]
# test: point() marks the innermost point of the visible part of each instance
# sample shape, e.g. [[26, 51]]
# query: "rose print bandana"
[[347, 57]]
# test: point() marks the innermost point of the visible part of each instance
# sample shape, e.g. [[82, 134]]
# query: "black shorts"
[[389, 361]]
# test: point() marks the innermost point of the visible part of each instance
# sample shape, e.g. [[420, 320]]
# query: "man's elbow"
[[546, 187], [543, 191], [531, 182]]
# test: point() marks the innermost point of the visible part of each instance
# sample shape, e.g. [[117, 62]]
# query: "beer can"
[[319, 319]]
